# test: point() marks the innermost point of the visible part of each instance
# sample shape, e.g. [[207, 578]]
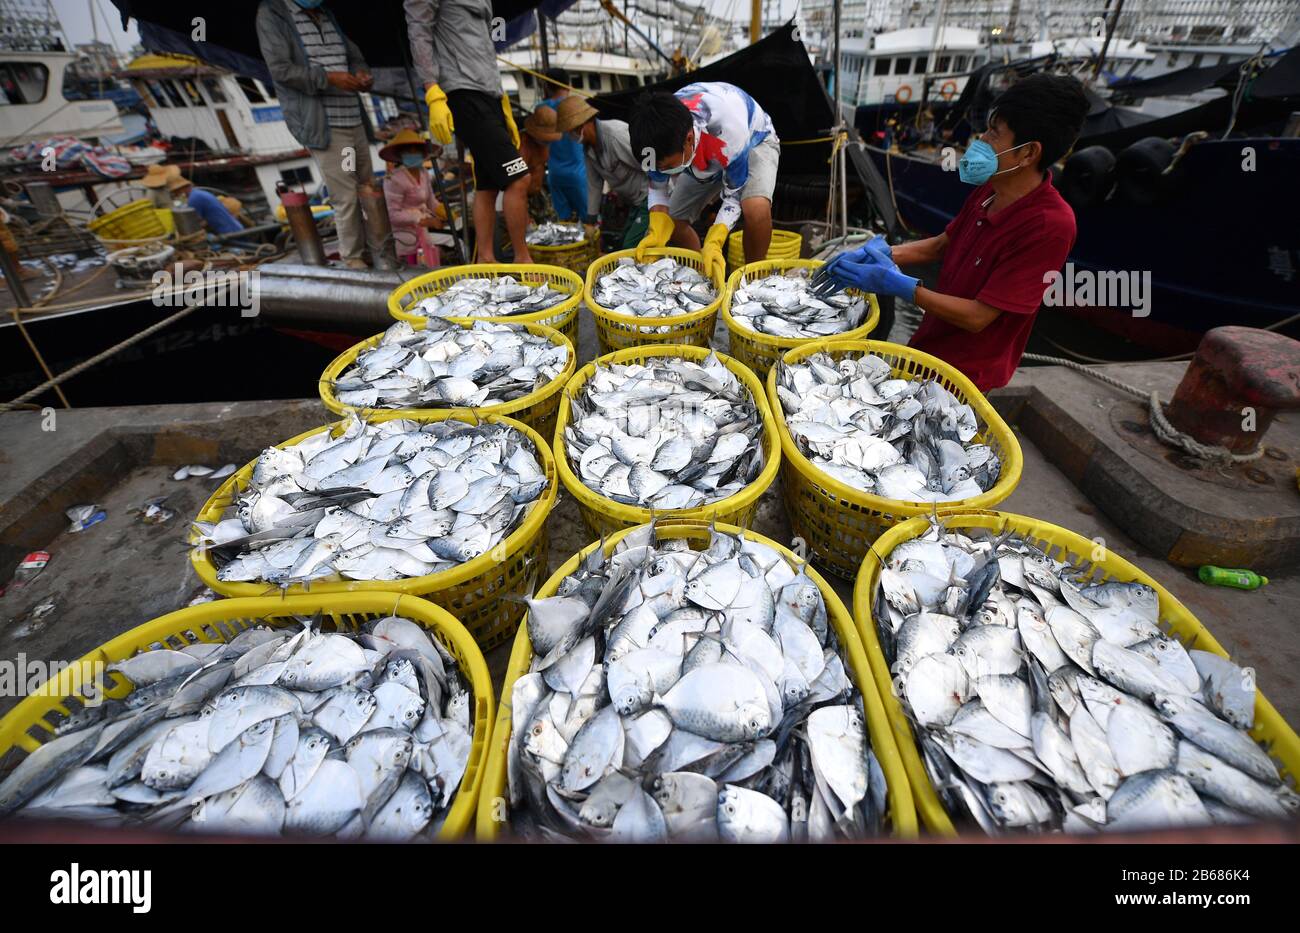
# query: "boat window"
[[1196, 60], [920, 64], [593, 82], [943, 63], [250, 89], [155, 91], [299, 176], [23, 82], [193, 93], [882, 66], [268, 91], [173, 95], [215, 94], [902, 65], [959, 63]]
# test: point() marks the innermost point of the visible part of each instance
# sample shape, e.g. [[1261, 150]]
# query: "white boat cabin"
[[892, 67]]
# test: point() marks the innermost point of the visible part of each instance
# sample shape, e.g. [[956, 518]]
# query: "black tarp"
[[776, 72], [1182, 81]]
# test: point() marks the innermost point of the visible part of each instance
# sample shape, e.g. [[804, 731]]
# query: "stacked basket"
[[573, 256], [785, 245]]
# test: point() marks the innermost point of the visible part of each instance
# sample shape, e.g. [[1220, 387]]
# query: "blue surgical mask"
[[412, 159], [309, 4], [980, 163]]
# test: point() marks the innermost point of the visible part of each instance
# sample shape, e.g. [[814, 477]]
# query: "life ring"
[[898, 95], [948, 90]]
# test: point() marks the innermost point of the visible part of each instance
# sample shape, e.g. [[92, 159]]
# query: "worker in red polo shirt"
[[1013, 230]]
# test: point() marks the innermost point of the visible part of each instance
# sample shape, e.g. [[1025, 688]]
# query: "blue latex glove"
[[876, 247], [875, 276]]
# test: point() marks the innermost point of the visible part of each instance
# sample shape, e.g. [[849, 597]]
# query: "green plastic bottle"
[[1241, 579]]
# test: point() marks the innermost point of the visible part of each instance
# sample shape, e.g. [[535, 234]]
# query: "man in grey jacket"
[[317, 73], [451, 47]]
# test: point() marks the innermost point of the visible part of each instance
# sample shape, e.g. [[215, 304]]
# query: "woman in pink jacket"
[[412, 208]]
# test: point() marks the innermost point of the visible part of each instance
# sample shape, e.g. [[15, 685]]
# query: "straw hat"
[[177, 183], [158, 175], [573, 113], [404, 138], [541, 125]]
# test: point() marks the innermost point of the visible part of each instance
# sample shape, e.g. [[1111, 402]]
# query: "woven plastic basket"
[[482, 593], [563, 316], [604, 516], [760, 352], [493, 808], [1270, 731], [575, 256], [32, 722], [620, 331], [129, 223], [838, 522], [536, 409], [786, 244]]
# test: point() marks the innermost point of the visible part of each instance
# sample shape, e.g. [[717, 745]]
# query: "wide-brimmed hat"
[[403, 139], [541, 125], [177, 183], [158, 175], [573, 113]]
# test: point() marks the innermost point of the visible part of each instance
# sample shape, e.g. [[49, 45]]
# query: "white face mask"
[[686, 161]]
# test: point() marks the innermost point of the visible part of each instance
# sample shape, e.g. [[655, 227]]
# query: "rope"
[[537, 74], [1212, 453], [54, 381], [807, 142]]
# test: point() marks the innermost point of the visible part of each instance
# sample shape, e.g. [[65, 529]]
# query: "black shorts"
[[481, 126]]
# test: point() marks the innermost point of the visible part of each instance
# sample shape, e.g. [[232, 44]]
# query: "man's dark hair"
[[556, 80], [1046, 109], [659, 122]]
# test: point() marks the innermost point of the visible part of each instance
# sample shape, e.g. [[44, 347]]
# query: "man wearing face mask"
[[1013, 229], [706, 138]]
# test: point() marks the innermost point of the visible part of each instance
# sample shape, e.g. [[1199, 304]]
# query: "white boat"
[[901, 65], [32, 105]]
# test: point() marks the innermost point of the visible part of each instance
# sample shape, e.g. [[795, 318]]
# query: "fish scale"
[[783, 305], [500, 296], [663, 288]]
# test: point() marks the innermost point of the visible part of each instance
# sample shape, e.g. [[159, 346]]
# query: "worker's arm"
[[930, 249], [420, 18], [407, 216], [307, 78], [595, 189], [969, 314]]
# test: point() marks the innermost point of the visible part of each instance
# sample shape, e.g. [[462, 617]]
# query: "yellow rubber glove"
[[440, 123], [510, 120], [714, 264], [661, 228], [592, 232]]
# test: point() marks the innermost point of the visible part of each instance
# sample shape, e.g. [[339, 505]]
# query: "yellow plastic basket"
[[32, 722], [1270, 731], [838, 522], [563, 316], [760, 352], [786, 244], [536, 409], [621, 331], [134, 221], [481, 593], [575, 256], [493, 807], [604, 516]]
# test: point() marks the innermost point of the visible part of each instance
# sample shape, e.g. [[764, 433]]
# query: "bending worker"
[[607, 149], [1013, 230], [453, 54], [711, 136]]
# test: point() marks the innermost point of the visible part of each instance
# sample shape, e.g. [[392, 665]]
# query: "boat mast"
[[1110, 31], [755, 20], [541, 31]]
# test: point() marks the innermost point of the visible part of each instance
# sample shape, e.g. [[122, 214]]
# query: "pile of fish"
[[277, 731], [663, 288], [1044, 702], [556, 234], [501, 296], [448, 366], [381, 501], [906, 439], [666, 434], [689, 695], [783, 305]]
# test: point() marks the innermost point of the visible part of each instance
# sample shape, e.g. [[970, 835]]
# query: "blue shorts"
[[568, 194]]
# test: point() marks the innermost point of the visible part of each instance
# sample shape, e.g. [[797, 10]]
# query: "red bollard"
[[1238, 380]]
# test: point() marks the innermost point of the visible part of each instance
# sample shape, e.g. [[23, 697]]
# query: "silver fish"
[[783, 305], [555, 234], [500, 296], [663, 288]]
